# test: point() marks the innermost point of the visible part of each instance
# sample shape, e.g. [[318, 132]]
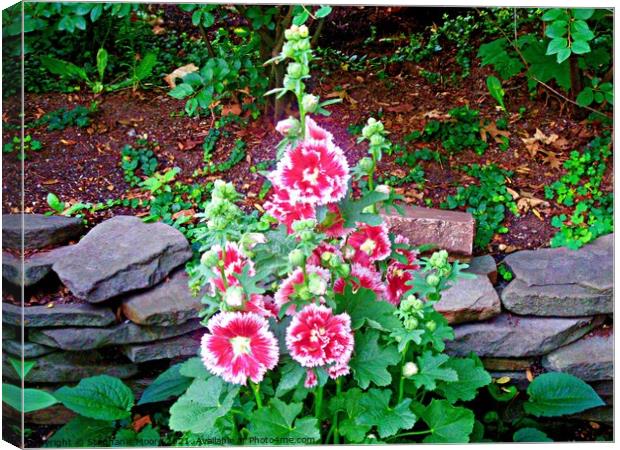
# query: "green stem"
[[401, 384], [411, 433], [256, 389], [335, 420], [318, 402]]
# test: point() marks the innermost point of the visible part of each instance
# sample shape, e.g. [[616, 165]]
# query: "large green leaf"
[[278, 423], [557, 394], [376, 411], [530, 435], [353, 210], [432, 368], [63, 68], [34, 399], [544, 67], [102, 397], [168, 384], [194, 368], [448, 424], [371, 360], [496, 53], [145, 68], [350, 403], [83, 432], [471, 377], [181, 91], [292, 376], [204, 402], [363, 307]]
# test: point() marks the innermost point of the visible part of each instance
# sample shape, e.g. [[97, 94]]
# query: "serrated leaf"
[[101, 397], [279, 420], [353, 210], [168, 384], [471, 377], [204, 402], [370, 361], [557, 394], [431, 369], [530, 435], [363, 307], [376, 411], [292, 376], [448, 424]]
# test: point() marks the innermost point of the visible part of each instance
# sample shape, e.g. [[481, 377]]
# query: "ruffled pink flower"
[[370, 243], [286, 211], [315, 258], [258, 304], [333, 225], [315, 172], [338, 370], [239, 346], [399, 274], [293, 281], [362, 277], [311, 379], [234, 262], [317, 337]]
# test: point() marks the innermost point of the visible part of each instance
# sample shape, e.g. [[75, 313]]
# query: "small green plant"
[[497, 92], [504, 272], [141, 158], [580, 188], [486, 201], [237, 155], [28, 399], [460, 133], [63, 118], [29, 144]]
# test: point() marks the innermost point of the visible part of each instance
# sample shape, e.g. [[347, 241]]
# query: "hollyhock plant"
[[238, 347], [351, 305], [317, 337]]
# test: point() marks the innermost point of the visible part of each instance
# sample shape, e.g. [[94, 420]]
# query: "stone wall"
[[129, 307]]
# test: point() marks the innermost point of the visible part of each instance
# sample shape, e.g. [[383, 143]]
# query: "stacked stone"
[[555, 315], [132, 301]]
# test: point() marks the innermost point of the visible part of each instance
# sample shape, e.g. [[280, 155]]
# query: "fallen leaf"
[[552, 160], [141, 422], [502, 380], [48, 182], [179, 73], [184, 213], [233, 108], [529, 375], [68, 142], [496, 134], [400, 108]]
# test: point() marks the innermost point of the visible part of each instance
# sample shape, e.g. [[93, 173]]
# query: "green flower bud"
[[288, 49], [431, 325], [303, 31], [316, 284], [366, 165], [209, 259], [303, 44], [410, 323], [344, 270], [439, 259], [326, 257], [376, 140], [296, 258], [432, 280], [410, 369], [306, 235], [310, 103], [295, 70], [305, 293], [383, 189], [301, 225]]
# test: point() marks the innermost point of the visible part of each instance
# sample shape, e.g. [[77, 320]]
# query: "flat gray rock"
[[36, 267], [183, 346], [91, 338], [469, 300], [508, 336], [483, 265], [169, 303], [591, 358], [121, 255], [39, 230], [562, 282], [68, 367], [82, 315], [28, 350]]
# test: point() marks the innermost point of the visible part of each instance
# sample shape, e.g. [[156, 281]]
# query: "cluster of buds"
[[411, 311], [304, 229], [439, 262], [374, 133], [410, 369], [221, 212]]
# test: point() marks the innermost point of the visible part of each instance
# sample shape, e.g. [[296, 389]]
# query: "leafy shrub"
[[140, 159], [581, 187], [487, 201]]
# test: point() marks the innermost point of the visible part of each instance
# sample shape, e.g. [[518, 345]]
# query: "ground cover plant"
[[273, 137]]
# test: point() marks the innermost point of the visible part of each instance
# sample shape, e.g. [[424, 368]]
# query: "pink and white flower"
[[311, 379], [399, 274], [315, 132], [362, 277], [316, 337], [371, 243], [316, 257], [287, 211], [295, 280], [338, 370], [314, 171], [333, 226], [234, 261], [238, 347]]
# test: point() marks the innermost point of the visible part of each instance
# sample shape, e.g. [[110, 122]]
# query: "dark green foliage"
[[15, 145], [581, 187], [63, 118], [486, 201], [237, 155], [139, 158]]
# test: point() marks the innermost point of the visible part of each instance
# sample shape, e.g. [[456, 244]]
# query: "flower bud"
[[224, 191], [410, 369], [310, 103], [302, 225], [288, 127], [431, 325], [383, 189], [209, 259], [306, 235], [303, 31], [410, 323], [296, 258], [439, 259], [305, 293], [366, 165], [234, 296], [303, 44], [326, 257], [344, 270], [376, 140], [316, 284], [295, 70], [432, 280]]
